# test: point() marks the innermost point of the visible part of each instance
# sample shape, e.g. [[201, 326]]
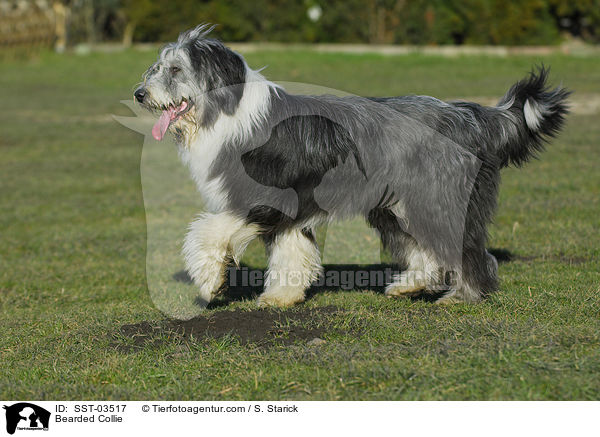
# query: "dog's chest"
[[199, 158]]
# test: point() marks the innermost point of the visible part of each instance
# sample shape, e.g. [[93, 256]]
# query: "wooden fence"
[[27, 26]]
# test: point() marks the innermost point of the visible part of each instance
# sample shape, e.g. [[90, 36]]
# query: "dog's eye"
[[175, 70]]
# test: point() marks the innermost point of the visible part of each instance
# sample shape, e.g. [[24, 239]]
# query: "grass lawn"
[[78, 322]]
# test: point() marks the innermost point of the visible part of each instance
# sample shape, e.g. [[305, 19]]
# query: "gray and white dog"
[[424, 173]]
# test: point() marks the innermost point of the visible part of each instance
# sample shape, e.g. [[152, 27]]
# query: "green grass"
[[73, 254]]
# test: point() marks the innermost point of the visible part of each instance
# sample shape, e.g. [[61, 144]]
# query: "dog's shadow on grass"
[[246, 282], [502, 255]]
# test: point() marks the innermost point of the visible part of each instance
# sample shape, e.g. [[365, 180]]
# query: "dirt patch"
[[260, 327]]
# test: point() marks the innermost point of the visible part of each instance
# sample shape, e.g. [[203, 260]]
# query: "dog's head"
[[193, 82]]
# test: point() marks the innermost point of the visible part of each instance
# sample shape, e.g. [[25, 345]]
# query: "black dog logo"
[[26, 416]]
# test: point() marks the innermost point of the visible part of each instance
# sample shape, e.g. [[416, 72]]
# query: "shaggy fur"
[[424, 173]]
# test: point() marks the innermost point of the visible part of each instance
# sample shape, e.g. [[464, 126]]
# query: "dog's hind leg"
[[479, 269], [479, 278], [213, 240], [422, 274], [417, 265], [294, 263]]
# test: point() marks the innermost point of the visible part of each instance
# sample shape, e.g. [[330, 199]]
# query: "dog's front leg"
[[294, 263], [212, 241]]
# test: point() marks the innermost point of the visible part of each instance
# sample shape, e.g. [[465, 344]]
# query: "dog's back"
[[515, 130]]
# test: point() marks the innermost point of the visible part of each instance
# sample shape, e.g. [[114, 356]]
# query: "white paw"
[[280, 297], [462, 295], [208, 291], [209, 281], [448, 300], [405, 290]]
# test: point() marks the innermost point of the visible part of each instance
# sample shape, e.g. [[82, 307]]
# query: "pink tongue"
[[161, 126]]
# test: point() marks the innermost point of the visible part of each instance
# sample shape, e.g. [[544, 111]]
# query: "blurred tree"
[[508, 22], [346, 22], [511, 22], [580, 18]]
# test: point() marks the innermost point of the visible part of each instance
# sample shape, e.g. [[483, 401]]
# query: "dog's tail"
[[534, 114]]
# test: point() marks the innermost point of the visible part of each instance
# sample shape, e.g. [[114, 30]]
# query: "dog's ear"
[[222, 71], [227, 84]]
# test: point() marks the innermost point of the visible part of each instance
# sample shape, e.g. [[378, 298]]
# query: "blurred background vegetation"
[[418, 22]]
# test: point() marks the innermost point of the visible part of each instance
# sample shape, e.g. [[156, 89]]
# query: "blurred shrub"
[[510, 22], [580, 18]]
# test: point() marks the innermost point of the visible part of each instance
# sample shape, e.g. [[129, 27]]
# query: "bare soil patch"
[[261, 327]]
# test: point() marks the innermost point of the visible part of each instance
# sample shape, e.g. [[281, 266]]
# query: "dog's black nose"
[[139, 94]]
